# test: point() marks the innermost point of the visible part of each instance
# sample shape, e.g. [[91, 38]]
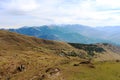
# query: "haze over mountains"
[[75, 33]]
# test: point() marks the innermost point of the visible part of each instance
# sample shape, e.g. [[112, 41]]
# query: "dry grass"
[[29, 58]]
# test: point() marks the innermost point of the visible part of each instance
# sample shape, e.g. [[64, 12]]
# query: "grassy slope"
[[38, 56], [102, 71], [100, 51], [112, 53]]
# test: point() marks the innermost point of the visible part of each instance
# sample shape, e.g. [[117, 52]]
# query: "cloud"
[[23, 5], [39, 12], [108, 3]]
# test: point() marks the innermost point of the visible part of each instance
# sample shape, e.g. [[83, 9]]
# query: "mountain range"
[[73, 33]]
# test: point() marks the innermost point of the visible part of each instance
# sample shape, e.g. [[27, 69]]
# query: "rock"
[[53, 71], [42, 77], [117, 60], [85, 62], [21, 68], [76, 65]]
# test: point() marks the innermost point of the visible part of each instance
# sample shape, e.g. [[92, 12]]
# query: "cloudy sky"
[[17, 13]]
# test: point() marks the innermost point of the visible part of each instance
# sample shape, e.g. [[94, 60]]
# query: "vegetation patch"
[[91, 49]]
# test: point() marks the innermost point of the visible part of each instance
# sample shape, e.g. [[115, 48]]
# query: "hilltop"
[[29, 58]]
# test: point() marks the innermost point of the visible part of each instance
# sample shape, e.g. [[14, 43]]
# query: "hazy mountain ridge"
[[112, 33], [72, 33]]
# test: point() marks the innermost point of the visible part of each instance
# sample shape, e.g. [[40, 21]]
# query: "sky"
[[18, 13]]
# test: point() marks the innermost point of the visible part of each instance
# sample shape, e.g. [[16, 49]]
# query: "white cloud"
[[20, 5], [109, 3], [39, 12]]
